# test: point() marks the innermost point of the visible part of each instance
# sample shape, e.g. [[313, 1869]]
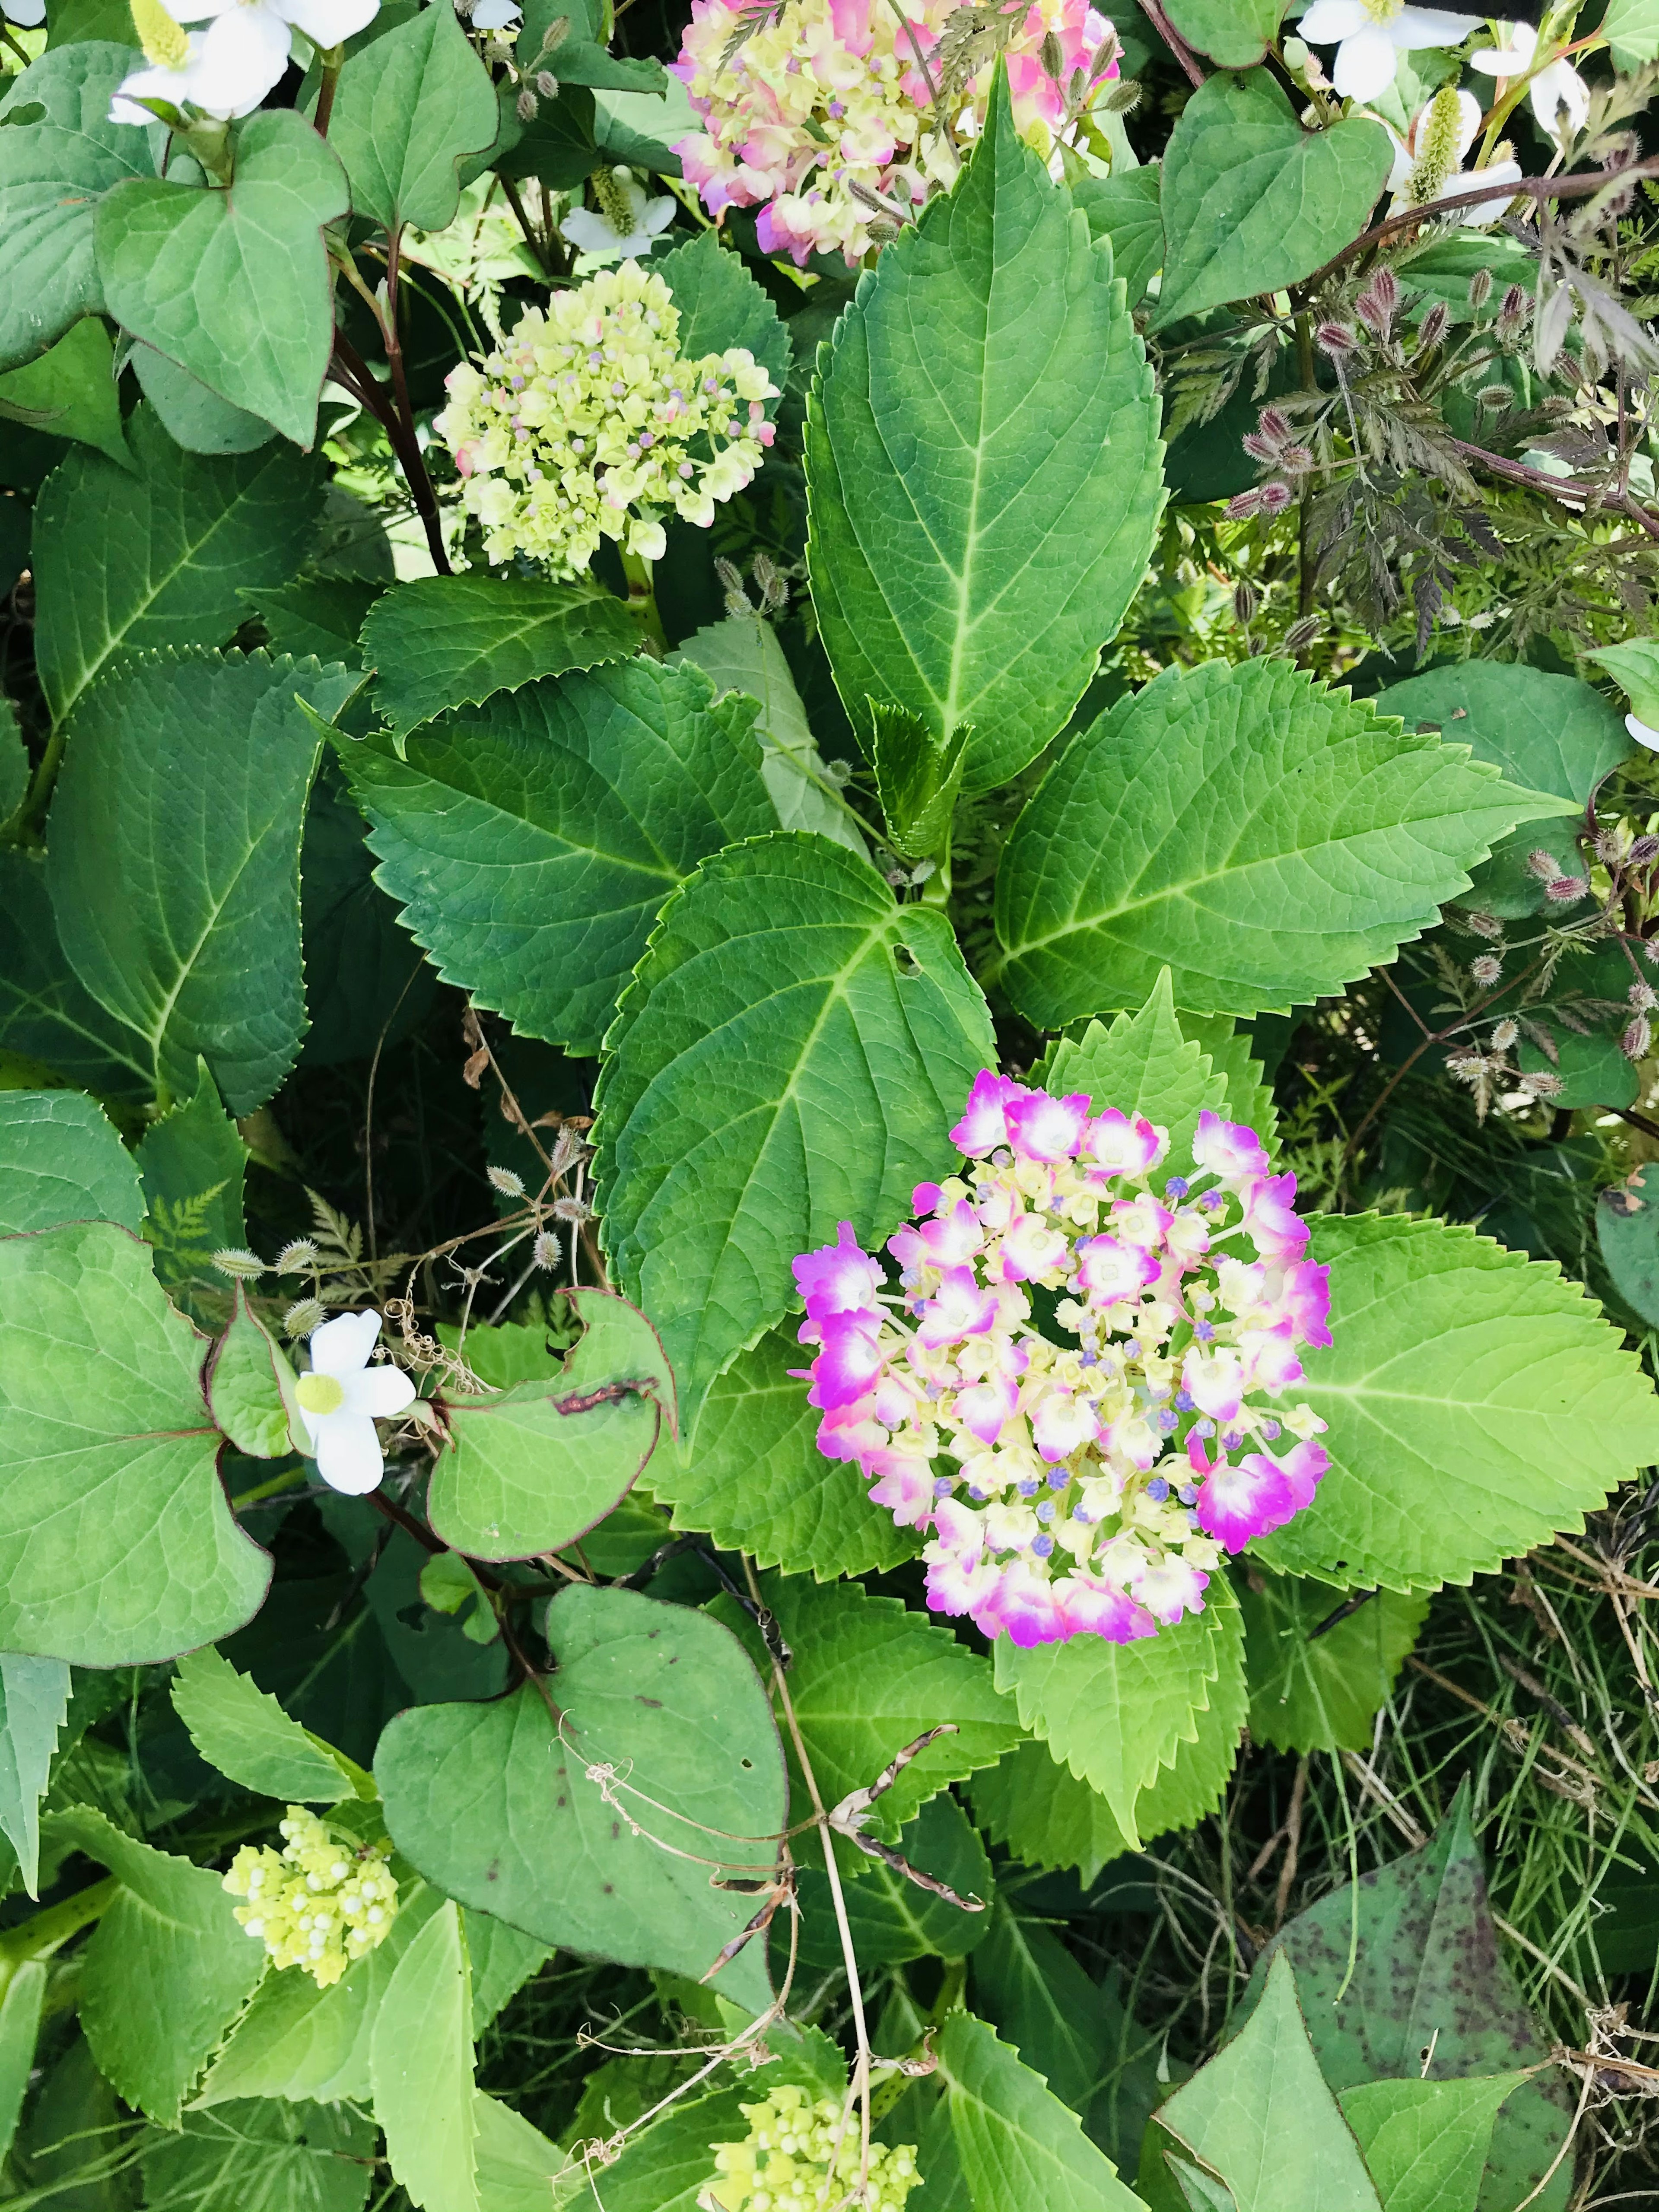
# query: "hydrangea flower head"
[[318, 1904], [1070, 1390], [785, 2163], [831, 94], [586, 423]]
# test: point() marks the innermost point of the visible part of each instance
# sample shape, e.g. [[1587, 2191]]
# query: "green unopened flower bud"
[[237, 1262], [300, 1319], [319, 1903], [799, 2157]]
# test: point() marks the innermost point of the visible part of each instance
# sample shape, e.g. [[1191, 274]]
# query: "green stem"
[[43, 1933], [642, 599], [333, 60]]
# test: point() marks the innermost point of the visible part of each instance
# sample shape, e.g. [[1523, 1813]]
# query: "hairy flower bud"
[[1245, 602], [506, 1181], [544, 1251], [1541, 1083], [1300, 635], [1504, 1033], [1543, 864], [1376, 305], [298, 1256], [1432, 328], [1642, 852], [1566, 890], [300, 1319], [1336, 339], [1638, 1035], [1513, 314], [1487, 970], [526, 104], [237, 1262], [1274, 425], [1643, 997], [1479, 289], [1275, 496]]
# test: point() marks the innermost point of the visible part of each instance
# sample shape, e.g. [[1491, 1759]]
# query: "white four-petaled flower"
[[228, 69], [592, 232], [341, 1397], [1370, 36], [1428, 165], [1558, 87]]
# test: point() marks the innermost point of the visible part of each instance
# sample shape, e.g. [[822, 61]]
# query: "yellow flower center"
[[166, 44], [319, 1394], [1384, 11]]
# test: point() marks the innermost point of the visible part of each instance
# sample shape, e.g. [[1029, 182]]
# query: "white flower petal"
[[328, 24], [1329, 21], [1559, 87], [1484, 213], [349, 1455], [1364, 64], [658, 214], [244, 54], [1642, 733], [379, 1393], [341, 1347], [495, 14], [588, 232], [26, 15], [1468, 110], [148, 84], [1427, 26]]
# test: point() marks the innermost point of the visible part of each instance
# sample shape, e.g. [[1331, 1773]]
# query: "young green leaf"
[[166, 1970], [250, 1387], [248, 1736], [117, 1546], [1143, 1064], [33, 1699], [1034, 1804], [753, 1476], [720, 304], [422, 2064], [411, 105], [322, 615], [495, 1803], [516, 2162], [790, 1055], [1251, 201], [260, 332], [1425, 2142], [192, 1163], [1321, 1692], [20, 2030], [158, 554], [1017, 2145], [1476, 1402], [1260, 2117], [54, 169], [446, 641], [174, 863], [71, 391], [61, 1160], [531, 841], [918, 776], [262, 2156], [1265, 837], [979, 523]]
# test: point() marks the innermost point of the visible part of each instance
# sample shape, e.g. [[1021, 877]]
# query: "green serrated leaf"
[[531, 841], [918, 776], [1124, 209], [166, 1970], [192, 1162], [237, 1728], [53, 171], [503, 1959], [34, 1700], [722, 306], [1545, 733], [1320, 1694], [533, 1468], [1228, 1050], [61, 1160], [516, 2162], [1425, 2142], [1631, 27], [71, 391], [1033, 1803], [48, 1020], [174, 862], [891, 1918], [322, 615], [250, 1387], [157, 555], [422, 2064], [1117, 1712], [753, 1477], [1143, 1065], [260, 332], [117, 1546], [969, 570], [411, 107], [1451, 1354], [446, 641], [1260, 2117], [1370, 2020], [790, 1055], [1261, 835], [1017, 2146], [261, 2156], [494, 1804], [1252, 201]]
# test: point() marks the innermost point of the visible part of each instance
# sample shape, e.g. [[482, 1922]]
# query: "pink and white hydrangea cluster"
[[831, 94], [1075, 1387]]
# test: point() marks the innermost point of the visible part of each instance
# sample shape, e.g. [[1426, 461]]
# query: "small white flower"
[[1642, 733], [496, 15], [228, 69], [590, 232], [1558, 87], [341, 1397], [28, 15], [1427, 171], [1369, 36]]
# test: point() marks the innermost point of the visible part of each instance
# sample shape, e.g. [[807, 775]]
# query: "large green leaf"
[[1476, 1402], [117, 1546], [51, 1025], [54, 167], [1545, 733], [20, 2007], [453, 641], [892, 1919], [980, 518], [174, 859], [1034, 1992], [1252, 201], [71, 391], [722, 306], [1234, 33], [1321, 1692], [166, 1970], [1143, 1064], [421, 2065], [61, 1160], [261, 2156], [1033, 1803], [1427, 2142], [754, 1478], [1261, 2116], [1017, 2146], [411, 105], [1634, 663], [1261, 835], [1117, 1712], [790, 1055], [531, 841], [1412, 1966], [235, 284], [495, 1802], [1124, 208], [534, 1468], [157, 554], [34, 1700], [194, 417], [237, 1728]]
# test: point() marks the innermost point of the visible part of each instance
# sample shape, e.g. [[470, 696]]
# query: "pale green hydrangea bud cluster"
[[784, 2164], [586, 423], [318, 1904]]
